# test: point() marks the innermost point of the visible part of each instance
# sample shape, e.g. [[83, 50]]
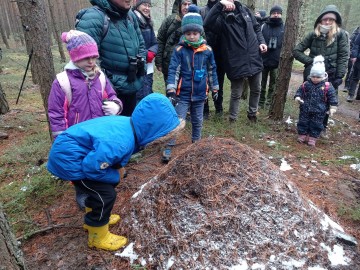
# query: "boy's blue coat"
[[92, 149]]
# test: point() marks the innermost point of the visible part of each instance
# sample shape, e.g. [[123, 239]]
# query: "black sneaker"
[[252, 118], [350, 98], [166, 155]]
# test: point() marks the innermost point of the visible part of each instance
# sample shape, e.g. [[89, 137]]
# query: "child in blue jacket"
[[91, 153], [192, 72], [316, 97]]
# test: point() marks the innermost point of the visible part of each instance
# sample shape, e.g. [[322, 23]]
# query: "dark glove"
[[215, 95], [173, 98], [337, 82]]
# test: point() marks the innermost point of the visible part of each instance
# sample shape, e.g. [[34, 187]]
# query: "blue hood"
[[154, 117]]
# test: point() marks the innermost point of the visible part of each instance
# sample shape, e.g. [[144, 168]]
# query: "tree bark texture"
[[4, 106], [276, 111], [11, 256], [57, 33]]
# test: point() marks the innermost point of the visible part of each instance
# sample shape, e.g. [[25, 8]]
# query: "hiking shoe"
[[252, 118], [302, 138], [350, 98], [166, 155], [312, 141]]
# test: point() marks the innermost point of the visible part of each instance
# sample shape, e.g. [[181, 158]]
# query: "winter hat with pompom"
[[80, 45], [192, 21], [318, 68]]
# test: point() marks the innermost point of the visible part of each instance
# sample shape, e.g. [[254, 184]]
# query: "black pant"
[[129, 103], [101, 200]]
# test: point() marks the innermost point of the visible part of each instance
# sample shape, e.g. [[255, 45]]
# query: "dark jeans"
[[101, 199], [354, 81], [272, 73], [146, 89], [129, 103]]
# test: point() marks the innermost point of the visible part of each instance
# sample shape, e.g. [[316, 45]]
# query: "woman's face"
[[184, 7], [145, 9]]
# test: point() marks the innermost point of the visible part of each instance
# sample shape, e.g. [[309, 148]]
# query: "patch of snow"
[[10, 183], [355, 167], [331, 122], [24, 188], [294, 263], [170, 262], [242, 266], [337, 255], [307, 174], [128, 252], [325, 172], [271, 143], [258, 266], [141, 188], [272, 258], [303, 166], [345, 157], [316, 268], [270, 157], [288, 120], [284, 165], [313, 161], [326, 221]]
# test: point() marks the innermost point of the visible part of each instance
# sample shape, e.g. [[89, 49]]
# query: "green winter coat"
[[168, 36], [123, 39], [336, 54]]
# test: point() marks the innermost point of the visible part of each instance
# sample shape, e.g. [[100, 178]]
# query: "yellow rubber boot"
[[100, 237], [114, 218]]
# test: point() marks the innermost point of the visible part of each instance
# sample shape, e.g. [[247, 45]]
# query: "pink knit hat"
[[80, 45]]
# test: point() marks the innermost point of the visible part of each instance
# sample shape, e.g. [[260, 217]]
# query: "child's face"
[[192, 36], [316, 80], [86, 64]]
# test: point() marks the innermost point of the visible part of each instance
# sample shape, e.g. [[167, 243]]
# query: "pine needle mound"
[[222, 205]]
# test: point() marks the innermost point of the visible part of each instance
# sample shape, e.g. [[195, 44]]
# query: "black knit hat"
[[139, 2], [276, 8]]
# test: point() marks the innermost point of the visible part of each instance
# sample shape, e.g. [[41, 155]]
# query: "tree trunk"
[[286, 59], [3, 36], [38, 38], [345, 16], [11, 257], [56, 31], [304, 17], [4, 106]]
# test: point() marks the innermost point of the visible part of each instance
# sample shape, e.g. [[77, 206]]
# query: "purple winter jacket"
[[86, 101]]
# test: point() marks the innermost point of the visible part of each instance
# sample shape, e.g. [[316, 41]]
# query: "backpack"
[[327, 86], [64, 82], [106, 19]]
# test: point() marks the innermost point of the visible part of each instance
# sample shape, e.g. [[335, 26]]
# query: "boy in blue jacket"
[[192, 72], [91, 154]]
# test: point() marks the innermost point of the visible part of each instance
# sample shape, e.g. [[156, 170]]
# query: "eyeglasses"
[[328, 20]]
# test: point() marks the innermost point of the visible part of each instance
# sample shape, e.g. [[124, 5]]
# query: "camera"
[[132, 69], [136, 67], [230, 17], [140, 65], [272, 43]]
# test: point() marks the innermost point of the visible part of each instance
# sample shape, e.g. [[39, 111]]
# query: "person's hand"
[[263, 48], [228, 5], [150, 56], [159, 69], [172, 97], [110, 108], [299, 100], [337, 82], [215, 95], [353, 60], [332, 110]]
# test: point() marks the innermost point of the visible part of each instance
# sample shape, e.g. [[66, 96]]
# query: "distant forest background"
[[12, 30]]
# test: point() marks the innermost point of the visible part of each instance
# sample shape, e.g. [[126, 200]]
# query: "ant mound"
[[222, 205]]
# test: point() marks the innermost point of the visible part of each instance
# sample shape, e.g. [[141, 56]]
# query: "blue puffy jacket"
[[96, 148]]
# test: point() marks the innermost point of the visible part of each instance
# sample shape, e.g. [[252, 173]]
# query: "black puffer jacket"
[[240, 40]]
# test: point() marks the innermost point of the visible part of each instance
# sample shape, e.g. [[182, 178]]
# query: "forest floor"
[[62, 243]]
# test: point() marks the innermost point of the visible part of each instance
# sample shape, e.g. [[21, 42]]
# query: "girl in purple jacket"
[[81, 92]]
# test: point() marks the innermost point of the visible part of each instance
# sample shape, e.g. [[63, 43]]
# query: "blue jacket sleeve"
[[174, 70]]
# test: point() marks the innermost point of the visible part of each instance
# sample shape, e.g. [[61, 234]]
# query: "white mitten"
[[110, 108], [332, 110], [299, 100]]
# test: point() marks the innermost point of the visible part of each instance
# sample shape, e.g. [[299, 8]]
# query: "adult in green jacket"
[[330, 41], [121, 46]]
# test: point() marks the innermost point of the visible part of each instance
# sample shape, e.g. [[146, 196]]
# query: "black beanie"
[[139, 2], [276, 8]]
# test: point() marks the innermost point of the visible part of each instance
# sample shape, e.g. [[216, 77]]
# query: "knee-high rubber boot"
[[100, 237], [114, 218]]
